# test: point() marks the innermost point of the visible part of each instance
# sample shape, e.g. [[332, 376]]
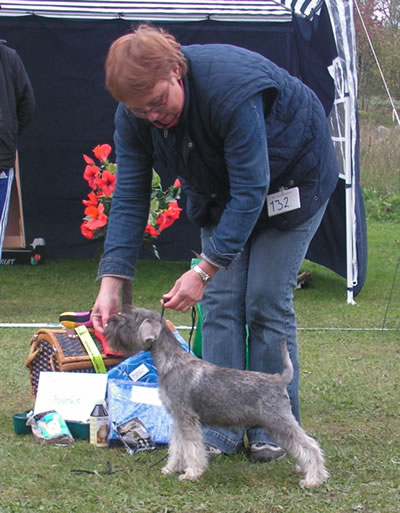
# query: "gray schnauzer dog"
[[196, 392]]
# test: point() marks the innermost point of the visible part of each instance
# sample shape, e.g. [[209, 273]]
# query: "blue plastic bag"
[[122, 408], [137, 370]]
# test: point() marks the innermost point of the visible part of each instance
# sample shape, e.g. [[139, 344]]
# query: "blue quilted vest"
[[300, 150]]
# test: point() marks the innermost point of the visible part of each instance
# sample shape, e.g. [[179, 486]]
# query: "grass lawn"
[[349, 394]]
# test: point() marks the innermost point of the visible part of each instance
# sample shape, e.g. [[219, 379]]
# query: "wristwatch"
[[203, 275]]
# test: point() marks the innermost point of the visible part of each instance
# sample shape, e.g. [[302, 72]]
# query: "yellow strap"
[[91, 348]]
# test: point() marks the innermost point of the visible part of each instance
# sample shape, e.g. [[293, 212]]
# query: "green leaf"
[[156, 181]]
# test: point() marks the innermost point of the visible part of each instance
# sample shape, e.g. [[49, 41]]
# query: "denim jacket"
[[247, 129]]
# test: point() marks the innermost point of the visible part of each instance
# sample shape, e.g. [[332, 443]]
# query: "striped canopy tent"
[[163, 10], [63, 45]]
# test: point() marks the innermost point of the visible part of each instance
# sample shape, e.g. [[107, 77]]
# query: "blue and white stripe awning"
[[163, 10]]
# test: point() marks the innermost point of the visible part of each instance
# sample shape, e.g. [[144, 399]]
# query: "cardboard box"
[[14, 237]]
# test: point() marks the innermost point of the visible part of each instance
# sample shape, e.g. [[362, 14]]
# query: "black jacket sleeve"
[[25, 100]]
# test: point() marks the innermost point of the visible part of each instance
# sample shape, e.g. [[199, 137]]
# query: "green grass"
[[380, 162], [378, 111], [349, 392], [380, 206]]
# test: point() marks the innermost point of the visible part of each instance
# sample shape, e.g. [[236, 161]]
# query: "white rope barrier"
[[56, 325]]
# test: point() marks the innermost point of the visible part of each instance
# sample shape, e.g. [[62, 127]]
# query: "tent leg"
[[350, 214]]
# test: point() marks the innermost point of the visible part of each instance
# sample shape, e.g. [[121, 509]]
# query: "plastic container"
[[99, 425], [19, 421], [78, 429]]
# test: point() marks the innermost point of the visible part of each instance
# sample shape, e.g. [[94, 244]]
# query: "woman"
[[252, 149]]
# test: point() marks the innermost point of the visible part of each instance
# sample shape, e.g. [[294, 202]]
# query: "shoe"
[[212, 451], [262, 453]]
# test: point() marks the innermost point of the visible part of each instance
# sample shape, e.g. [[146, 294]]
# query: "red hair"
[[137, 61]]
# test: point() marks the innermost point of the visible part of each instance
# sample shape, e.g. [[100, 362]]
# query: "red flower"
[[107, 183], [98, 218], [93, 200], [151, 231], [88, 160], [86, 232], [91, 174], [175, 209], [102, 178], [167, 218], [102, 151]]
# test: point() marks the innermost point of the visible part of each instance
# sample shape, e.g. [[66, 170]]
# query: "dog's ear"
[[149, 331]]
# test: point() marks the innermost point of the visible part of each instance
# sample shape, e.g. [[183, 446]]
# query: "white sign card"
[[145, 395], [72, 394], [283, 201]]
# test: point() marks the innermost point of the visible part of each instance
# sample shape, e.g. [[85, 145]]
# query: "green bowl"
[[78, 429], [19, 420]]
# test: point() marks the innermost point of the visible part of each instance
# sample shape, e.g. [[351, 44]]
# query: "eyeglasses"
[[156, 108]]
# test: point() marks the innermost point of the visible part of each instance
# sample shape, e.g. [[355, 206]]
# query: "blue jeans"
[[258, 291]]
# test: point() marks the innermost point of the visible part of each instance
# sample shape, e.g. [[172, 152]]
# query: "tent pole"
[[349, 203]]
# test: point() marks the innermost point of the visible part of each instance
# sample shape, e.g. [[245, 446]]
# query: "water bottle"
[[99, 425]]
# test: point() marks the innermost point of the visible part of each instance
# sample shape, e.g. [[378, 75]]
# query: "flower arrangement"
[[164, 208]]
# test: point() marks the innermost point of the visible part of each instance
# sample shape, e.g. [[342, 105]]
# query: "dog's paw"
[[190, 475], [166, 470], [314, 482], [310, 483], [298, 469]]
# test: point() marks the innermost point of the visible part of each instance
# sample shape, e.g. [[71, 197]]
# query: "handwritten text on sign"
[[283, 201]]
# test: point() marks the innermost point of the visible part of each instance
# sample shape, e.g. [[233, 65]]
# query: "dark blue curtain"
[[65, 61]]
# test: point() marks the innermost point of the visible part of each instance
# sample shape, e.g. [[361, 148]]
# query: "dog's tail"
[[287, 373]]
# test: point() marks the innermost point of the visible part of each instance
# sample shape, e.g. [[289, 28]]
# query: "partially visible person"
[[252, 148], [17, 104]]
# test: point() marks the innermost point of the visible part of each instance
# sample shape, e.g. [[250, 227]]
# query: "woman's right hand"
[[107, 302]]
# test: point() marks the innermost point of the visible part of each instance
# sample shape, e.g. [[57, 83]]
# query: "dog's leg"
[[194, 453], [304, 449], [310, 460], [176, 461]]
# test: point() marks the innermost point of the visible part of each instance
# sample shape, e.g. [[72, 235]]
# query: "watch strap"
[[203, 275]]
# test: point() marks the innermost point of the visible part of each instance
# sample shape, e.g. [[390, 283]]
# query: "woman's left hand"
[[186, 292]]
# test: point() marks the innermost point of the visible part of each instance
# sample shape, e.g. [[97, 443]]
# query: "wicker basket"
[[61, 351]]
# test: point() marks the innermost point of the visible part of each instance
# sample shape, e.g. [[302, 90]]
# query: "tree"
[[381, 20], [389, 12], [368, 75]]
